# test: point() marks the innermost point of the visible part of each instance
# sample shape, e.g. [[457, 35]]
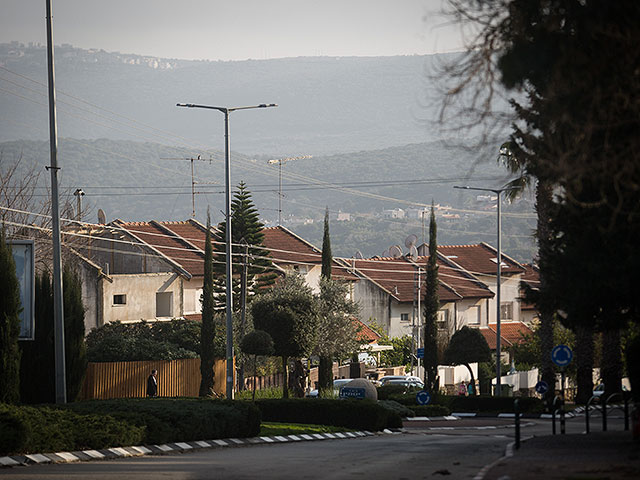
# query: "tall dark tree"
[[584, 362], [208, 328], [327, 258], [37, 368], [523, 180], [74, 344], [245, 228], [467, 345], [431, 307], [289, 314], [577, 129], [325, 366], [9, 325]]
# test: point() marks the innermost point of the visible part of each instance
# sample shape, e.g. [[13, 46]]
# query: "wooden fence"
[[176, 378]]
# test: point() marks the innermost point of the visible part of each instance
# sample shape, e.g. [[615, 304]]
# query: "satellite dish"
[[410, 241], [102, 219], [359, 255], [413, 252], [395, 251], [385, 254]]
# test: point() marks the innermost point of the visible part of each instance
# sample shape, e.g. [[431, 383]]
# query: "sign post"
[[562, 355]]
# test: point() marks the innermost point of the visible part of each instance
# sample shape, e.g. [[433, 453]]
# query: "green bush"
[[482, 403], [429, 410], [180, 419], [393, 392], [394, 406], [356, 414], [48, 429]]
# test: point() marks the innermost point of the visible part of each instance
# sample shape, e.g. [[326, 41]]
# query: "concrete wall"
[[510, 293], [140, 291], [374, 303]]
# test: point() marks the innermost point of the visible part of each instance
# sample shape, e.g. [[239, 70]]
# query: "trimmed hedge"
[[180, 419], [429, 410], [356, 414], [48, 429], [400, 409], [484, 403]]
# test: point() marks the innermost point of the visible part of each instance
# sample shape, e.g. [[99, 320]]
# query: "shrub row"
[[429, 410], [180, 419], [110, 423], [47, 429], [356, 414]]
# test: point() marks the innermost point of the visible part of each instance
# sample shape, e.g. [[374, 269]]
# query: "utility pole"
[[58, 306], [280, 161], [193, 182], [79, 194], [243, 299]]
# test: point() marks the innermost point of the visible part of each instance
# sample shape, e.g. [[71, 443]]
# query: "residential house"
[[387, 291]]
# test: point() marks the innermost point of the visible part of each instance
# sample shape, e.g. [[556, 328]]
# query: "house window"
[[443, 319], [473, 315], [120, 299], [164, 304], [404, 317], [506, 311]]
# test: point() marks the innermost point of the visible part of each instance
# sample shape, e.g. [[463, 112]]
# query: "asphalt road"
[[454, 450]]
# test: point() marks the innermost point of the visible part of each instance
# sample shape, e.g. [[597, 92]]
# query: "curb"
[[509, 415], [137, 451]]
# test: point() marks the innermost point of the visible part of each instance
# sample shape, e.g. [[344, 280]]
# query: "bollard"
[[562, 430], [516, 410], [593, 399], [554, 410], [625, 397]]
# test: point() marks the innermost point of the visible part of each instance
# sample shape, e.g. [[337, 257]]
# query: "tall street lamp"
[[498, 192], [228, 260]]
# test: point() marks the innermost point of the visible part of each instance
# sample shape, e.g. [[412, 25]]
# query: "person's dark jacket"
[[152, 386]]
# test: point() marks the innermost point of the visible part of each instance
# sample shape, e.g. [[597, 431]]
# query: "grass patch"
[[270, 429]]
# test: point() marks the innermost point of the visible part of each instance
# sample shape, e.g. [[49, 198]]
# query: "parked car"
[[408, 383], [409, 378], [338, 383], [599, 390]]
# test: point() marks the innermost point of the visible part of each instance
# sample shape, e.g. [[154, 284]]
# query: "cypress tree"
[[431, 307], [327, 259], [37, 367], [207, 329], [74, 344], [325, 367], [10, 308], [245, 228]]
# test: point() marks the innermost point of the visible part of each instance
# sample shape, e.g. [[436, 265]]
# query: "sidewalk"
[[597, 456]]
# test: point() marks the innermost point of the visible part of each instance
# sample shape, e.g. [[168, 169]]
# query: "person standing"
[[152, 384]]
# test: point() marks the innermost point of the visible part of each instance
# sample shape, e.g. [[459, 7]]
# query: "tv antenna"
[[193, 182], [280, 161]]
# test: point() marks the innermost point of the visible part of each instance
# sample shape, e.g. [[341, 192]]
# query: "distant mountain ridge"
[[326, 104]]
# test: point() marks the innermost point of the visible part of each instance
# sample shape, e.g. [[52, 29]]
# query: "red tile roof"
[[510, 333], [398, 277], [479, 258], [366, 333], [171, 245], [289, 249]]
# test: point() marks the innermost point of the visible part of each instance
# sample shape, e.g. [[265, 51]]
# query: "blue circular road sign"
[[542, 387], [423, 397], [561, 355]]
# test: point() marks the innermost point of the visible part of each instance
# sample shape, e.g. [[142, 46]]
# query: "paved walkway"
[[597, 456]]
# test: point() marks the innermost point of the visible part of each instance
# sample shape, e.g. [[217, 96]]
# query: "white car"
[[409, 383], [338, 383], [407, 378]]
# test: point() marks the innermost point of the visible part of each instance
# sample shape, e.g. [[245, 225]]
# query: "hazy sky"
[[236, 29]]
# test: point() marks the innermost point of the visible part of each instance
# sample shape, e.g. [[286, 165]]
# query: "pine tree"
[[245, 228], [75, 347], [207, 329], [431, 307], [9, 326]]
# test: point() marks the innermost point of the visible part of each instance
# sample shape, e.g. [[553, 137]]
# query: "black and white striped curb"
[[431, 419], [122, 452], [509, 415]]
